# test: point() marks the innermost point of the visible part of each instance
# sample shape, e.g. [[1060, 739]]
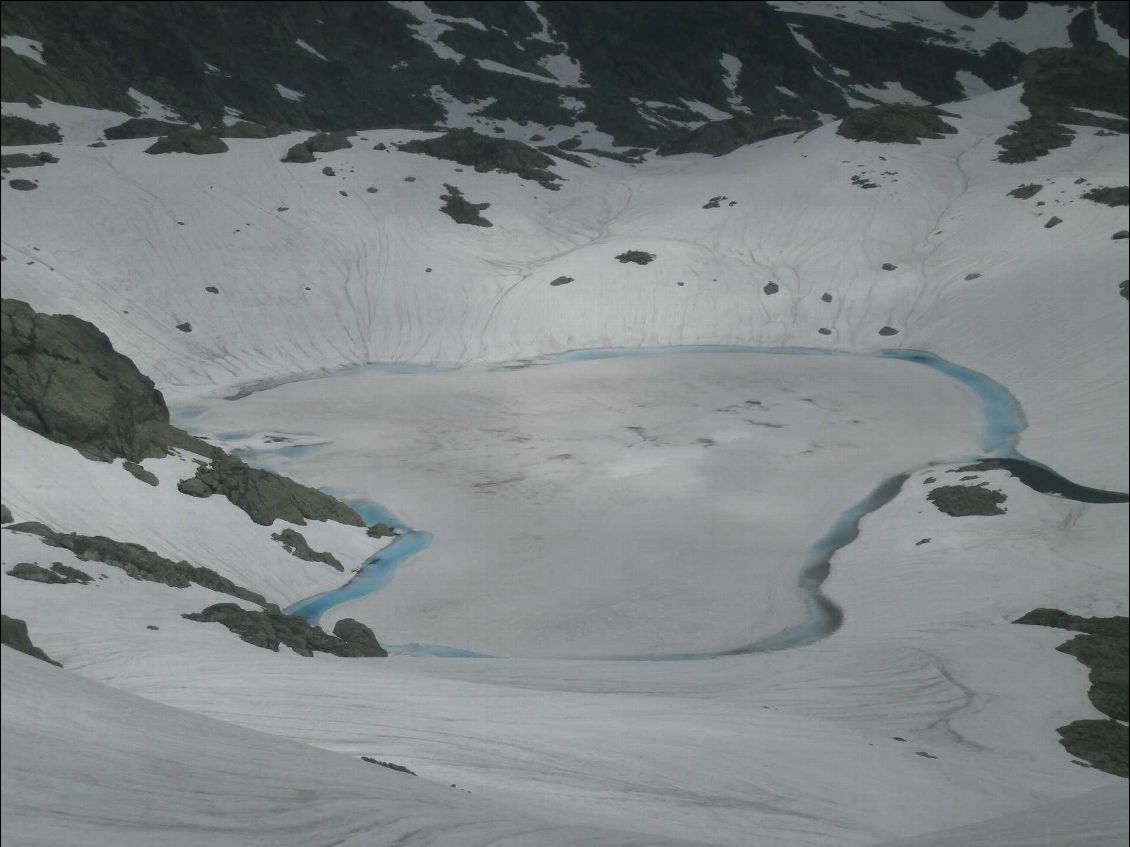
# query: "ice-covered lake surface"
[[1001, 422], [577, 505]]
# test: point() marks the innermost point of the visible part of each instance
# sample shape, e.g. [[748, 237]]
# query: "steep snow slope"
[[131, 241], [169, 777]]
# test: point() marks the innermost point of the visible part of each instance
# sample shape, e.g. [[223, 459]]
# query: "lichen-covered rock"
[[896, 123], [483, 153], [270, 628], [194, 141], [138, 562], [266, 497], [961, 501], [295, 543], [13, 633], [456, 207]]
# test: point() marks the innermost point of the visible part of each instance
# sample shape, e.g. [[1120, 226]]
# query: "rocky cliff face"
[[62, 378], [641, 74]]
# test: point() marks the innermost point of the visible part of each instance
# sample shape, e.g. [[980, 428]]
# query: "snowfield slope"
[[310, 279], [927, 710]]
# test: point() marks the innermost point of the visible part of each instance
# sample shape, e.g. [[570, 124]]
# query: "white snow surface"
[[288, 93], [796, 747], [29, 48], [313, 52]]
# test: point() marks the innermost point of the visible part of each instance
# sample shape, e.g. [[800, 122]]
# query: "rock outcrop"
[[270, 628]]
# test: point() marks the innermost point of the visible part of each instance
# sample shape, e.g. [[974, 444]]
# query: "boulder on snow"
[[13, 633]]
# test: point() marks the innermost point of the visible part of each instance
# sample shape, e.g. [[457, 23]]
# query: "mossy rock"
[[143, 128], [484, 154], [13, 633], [961, 501], [194, 141], [1109, 195], [456, 207], [20, 132], [896, 123], [721, 137]]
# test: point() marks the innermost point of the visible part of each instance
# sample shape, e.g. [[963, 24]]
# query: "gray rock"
[[5, 515], [141, 473], [1053, 221], [456, 207], [185, 327], [264, 496], [22, 185], [270, 628], [380, 530], [1023, 192], [137, 561], [13, 633], [638, 257], [194, 141], [562, 280], [356, 633], [771, 288], [888, 330], [1120, 235], [36, 573], [961, 501], [887, 266], [295, 543]]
